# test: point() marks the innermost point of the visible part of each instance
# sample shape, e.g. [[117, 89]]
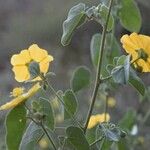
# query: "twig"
[[98, 140], [98, 80]]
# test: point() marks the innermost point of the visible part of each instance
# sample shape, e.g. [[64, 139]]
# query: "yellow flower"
[[17, 92], [97, 119], [22, 60], [141, 140], [43, 143], [111, 102], [135, 44], [21, 98]]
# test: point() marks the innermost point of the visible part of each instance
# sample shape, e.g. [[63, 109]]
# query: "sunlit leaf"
[[31, 137], [128, 120], [111, 50], [81, 78], [47, 110], [77, 138], [76, 17], [136, 82], [103, 12], [15, 126], [70, 102], [120, 73], [130, 16]]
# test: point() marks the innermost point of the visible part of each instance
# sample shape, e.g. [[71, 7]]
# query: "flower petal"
[[36, 53], [44, 64], [32, 90], [13, 103], [144, 65], [21, 59], [21, 73], [92, 122], [128, 45], [21, 98], [145, 40], [135, 39]]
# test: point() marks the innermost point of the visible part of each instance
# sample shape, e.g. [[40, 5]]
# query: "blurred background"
[[24, 22]]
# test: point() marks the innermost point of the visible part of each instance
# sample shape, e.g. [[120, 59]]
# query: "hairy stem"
[[48, 136], [106, 108], [61, 100], [43, 128], [98, 80], [95, 142]]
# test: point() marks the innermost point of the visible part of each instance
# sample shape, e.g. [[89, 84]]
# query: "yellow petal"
[[97, 119], [17, 91], [128, 45], [145, 40], [33, 90], [44, 64], [111, 102], [136, 40], [25, 56], [21, 59], [36, 53], [12, 103], [21, 98], [101, 118], [37, 79], [144, 65], [92, 122], [21, 73], [43, 143]]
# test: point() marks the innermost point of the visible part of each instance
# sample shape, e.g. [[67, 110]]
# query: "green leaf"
[[127, 68], [103, 12], [136, 82], [76, 17], [90, 135], [77, 138], [113, 47], [146, 95], [111, 50], [95, 48], [107, 144], [15, 126], [81, 78], [130, 16], [112, 135], [34, 69], [70, 102], [123, 145], [128, 120], [120, 74], [47, 110], [65, 143], [31, 136]]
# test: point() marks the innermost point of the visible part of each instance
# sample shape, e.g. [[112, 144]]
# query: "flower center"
[[17, 92], [142, 54]]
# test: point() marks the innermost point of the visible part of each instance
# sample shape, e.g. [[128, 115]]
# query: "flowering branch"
[[98, 80]]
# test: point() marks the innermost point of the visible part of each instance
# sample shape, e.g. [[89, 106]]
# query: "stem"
[[106, 78], [102, 144], [98, 140], [61, 100], [98, 80], [42, 126], [63, 146], [146, 117], [106, 108], [45, 131]]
